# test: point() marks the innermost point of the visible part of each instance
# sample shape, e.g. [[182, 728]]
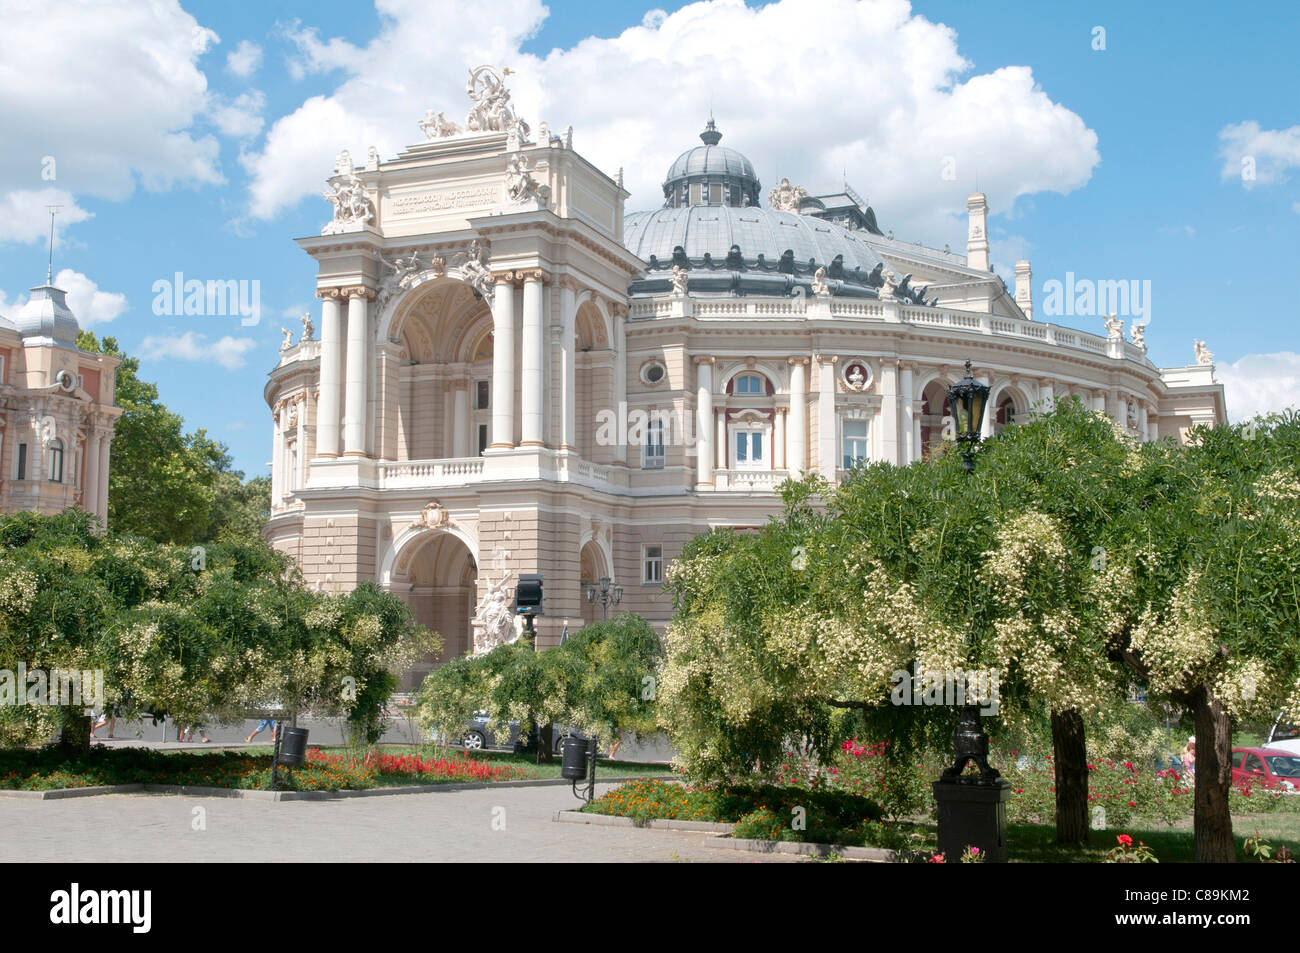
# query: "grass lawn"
[[1036, 843]]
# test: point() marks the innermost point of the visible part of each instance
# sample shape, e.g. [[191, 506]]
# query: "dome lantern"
[[711, 174]]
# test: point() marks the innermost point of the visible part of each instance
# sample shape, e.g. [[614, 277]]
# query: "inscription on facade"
[[422, 203]]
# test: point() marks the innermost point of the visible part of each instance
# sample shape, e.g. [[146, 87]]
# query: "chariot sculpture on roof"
[[491, 111]]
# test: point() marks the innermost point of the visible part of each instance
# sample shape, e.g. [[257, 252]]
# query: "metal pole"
[[275, 757]]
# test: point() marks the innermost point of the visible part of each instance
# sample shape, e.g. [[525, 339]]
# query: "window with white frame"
[[482, 395], [652, 450], [21, 470], [749, 385], [652, 565], [750, 448], [854, 444]]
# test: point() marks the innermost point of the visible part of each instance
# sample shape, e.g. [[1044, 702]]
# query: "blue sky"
[[196, 137]]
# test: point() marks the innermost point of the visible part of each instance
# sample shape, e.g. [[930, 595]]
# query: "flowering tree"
[[1214, 563]]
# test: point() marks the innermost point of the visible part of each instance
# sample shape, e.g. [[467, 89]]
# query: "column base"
[[531, 443], [326, 456], [501, 446], [353, 453]]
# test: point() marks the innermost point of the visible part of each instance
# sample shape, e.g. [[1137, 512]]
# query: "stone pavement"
[[455, 826]]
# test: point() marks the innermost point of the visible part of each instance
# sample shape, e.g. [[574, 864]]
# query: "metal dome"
[[46, 315], [714, 229], [714, 164]]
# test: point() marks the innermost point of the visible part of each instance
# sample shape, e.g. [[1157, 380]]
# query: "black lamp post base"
[[972, 815]]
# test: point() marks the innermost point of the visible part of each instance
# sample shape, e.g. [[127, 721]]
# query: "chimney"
[[1025, 289], [977, 238]]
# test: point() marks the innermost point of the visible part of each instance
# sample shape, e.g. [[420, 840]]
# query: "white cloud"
[[228, 351], [109, 91], [25, 215], [88, 303], [244, 59], [809, 89], [1260, 383], [1296, 208], [240, 117], [1271, 152]]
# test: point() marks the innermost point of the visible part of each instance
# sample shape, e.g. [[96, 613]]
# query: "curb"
[[185, 790], [722, 842]]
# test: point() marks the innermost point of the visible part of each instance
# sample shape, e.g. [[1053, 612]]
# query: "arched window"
[[54, 460], [749, 385]]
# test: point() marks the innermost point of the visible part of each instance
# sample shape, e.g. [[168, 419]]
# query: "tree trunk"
[[1212, 821], [74, 732], [1070, 758]]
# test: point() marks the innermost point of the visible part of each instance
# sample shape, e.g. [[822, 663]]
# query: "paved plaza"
[[492, 824]]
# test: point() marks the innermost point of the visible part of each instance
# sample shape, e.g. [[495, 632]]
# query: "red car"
[[1269, 767]]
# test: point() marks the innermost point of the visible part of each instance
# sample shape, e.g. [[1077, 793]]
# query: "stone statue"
[[352, 209], [856, 378], [1203, 354], [1114, 328], [474, 269], [491, 111], [679, 279], [1139, 336], [521, 187], [889, 287], [786, 197], [343, 164], [308, 328], [287, 343], [435, 125], [372, 159], [819, 285], [493, 621]]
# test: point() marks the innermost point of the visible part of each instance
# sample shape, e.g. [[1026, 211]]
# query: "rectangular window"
[[715, 194], [482, 395], [854, 442], [697, 196], [652, 565], [482, 438], [2, 370], [55, 467], [652, 451], [749, 449], [22, 461], [735, 196]]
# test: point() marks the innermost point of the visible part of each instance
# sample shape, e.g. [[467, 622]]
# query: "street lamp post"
[[972, 811], [604, 593]]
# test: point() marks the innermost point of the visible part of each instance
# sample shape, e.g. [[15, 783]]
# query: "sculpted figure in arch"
[[494, 623], [475, 270]]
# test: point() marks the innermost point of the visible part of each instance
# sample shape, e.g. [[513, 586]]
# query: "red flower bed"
[[459, 767]]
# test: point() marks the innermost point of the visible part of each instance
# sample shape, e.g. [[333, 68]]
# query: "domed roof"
[[46, 315], [712, 230], [718, 163]]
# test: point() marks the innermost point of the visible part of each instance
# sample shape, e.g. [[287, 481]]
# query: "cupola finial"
[[710, 135]]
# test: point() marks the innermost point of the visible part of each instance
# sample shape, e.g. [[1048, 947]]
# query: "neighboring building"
[[510, 374], [56, 411]]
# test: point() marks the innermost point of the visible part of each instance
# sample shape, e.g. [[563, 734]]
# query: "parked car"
[[479, 735], [1283, 737], [1269, 767]]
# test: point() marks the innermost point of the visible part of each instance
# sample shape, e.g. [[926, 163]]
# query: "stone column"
[[826, 429], [618, 319], [568, 372], [778, 439], [990, 409], [105, 452], [302, 440], [720, 444], [797, 451], [503, 360], [356, 373], [907, 396], [460, 421], [1142, 421], [890, 449], [1046, 397], [277, 454], [90, 491], [704, 420], [331, 351], [530, 376]]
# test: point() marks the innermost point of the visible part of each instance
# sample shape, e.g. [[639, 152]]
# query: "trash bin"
[[573, 766], [293, 747]]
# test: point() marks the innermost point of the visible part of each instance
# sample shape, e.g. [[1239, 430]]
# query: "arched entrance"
[[443, 388], [436, 575], [592, 565], [934, 408]]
